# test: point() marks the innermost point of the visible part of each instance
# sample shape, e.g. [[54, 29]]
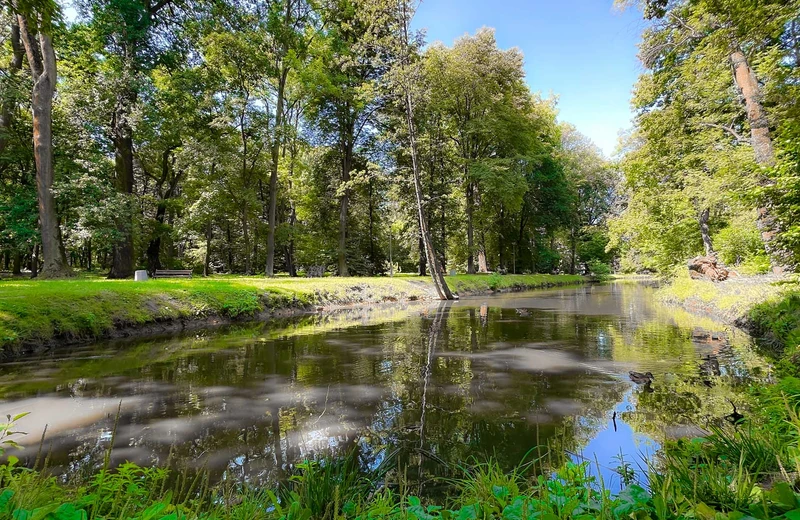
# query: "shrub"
[[740, 241]]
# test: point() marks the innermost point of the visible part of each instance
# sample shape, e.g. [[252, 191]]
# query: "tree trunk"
[[760, 139], [122, 262], [483, 265], [42, 61], [207, 257], [747, 84], [248, 265], [709, 247], [230, 247], [470, 231], [35, 262], [573, 249], [372, 260], [14, 65], [16, 265], [273, 174], [154, 247], [436, 270], [343, 206], [423, 270]]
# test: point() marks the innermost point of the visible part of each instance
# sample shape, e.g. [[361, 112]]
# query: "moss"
[[37, 311]]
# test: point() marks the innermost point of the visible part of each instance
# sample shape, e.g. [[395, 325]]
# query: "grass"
[[36, 312], [728, 300], [700, 487]]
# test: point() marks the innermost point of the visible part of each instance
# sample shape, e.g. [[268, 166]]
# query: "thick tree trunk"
[[42, 61], [122, 261], [483, 265], [273, 174], [748, 85], [343, 207], [760, 139], [704, 232], [16, 264], [154, 247]]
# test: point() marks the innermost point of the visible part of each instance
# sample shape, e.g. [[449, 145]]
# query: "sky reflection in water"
[[484, 377]]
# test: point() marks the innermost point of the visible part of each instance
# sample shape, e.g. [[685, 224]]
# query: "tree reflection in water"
[[437, 385]]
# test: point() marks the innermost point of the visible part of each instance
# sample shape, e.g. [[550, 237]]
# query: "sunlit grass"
[[33, 311]]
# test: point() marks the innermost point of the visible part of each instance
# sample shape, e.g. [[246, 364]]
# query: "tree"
[[35, 24]]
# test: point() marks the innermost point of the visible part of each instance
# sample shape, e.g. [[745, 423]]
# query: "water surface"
[[437, 385]]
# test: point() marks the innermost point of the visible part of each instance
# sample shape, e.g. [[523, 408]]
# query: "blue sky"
[[584, 51]]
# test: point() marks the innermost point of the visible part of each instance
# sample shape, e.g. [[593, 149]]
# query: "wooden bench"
[[172, 273]]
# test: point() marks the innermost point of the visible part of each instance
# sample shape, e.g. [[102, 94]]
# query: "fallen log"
[[706, 267]]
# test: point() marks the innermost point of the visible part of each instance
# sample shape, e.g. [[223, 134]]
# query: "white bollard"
[[140, 276]]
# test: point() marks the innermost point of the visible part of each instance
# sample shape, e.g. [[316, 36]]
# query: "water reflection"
[[484, 377]]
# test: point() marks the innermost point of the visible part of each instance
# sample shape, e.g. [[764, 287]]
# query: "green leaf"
[[5, 500], [705, 512], [783, 494], [515, 510], [68, 512], [794, 514]]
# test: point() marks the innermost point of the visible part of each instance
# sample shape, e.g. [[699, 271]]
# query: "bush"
[[598, 268], [740, 242]]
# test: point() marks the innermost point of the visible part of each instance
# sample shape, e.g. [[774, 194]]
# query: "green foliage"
[[777, 323], [740, 243]]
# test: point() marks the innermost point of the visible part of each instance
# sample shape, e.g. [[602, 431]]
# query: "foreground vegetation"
[[35, 312], [735, 473]]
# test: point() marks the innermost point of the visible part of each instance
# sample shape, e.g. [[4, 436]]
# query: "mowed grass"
[[37, 311]]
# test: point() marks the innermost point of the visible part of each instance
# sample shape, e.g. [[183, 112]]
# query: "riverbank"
[[38, 314], [767, 306]]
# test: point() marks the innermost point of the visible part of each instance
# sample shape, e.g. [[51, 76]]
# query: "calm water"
[[485, 377]]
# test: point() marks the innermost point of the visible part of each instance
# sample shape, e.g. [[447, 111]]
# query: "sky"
[[583, 51]]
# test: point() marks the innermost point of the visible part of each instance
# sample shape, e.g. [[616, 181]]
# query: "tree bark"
[[704, 232], [207, 257], [470, 230], [760, 139], [16, 264], [42, 62], [273, 174], [343, 206], [122, 261], [423, 266], [14, 65], [748, 85]]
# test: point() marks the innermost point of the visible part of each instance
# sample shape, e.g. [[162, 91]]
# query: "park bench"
[[172, 273]]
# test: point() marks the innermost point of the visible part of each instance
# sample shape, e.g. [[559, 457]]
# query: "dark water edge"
[[434, 385]]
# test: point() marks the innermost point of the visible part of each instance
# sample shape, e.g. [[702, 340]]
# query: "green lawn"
[[34, 311]]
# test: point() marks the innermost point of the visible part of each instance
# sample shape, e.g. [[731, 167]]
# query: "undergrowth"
[[737, 472]]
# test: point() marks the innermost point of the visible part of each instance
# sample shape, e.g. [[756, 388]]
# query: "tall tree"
[[36, 22]]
